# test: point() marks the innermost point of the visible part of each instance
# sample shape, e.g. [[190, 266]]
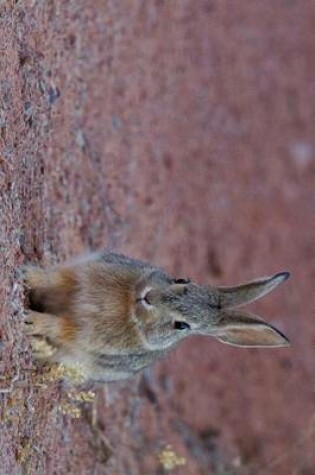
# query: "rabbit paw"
[[35, 324], [38, 326], [41, 349], [33, 277]]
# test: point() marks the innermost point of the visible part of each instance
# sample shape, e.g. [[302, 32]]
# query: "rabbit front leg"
[[50, 334], [49, 290], [36, 326]]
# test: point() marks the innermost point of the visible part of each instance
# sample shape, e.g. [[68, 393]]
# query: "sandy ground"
[[180, 132]]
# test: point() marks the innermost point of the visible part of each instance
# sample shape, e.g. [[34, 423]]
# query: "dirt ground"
[[181, 132]]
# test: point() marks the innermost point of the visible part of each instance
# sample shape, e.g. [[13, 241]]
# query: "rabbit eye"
[[181, 281], [181, 326]]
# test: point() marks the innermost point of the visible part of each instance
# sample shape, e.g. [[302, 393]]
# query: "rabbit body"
[[114, 315]]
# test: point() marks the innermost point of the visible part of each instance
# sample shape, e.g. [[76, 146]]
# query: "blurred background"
[[180, 132]]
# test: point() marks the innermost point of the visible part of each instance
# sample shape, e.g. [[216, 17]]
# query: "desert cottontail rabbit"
[[115, 315]]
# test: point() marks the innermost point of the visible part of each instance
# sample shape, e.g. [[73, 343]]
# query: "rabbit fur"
[[115, 315]]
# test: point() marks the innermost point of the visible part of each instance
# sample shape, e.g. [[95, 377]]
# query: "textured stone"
[[181, 132]]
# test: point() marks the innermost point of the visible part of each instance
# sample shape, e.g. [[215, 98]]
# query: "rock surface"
[[180, 132]]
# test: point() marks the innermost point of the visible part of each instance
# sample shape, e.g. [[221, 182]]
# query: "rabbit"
[[114, 315]]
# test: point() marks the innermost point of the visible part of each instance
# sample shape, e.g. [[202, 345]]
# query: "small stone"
[[116, 122], [80, 139], [302, 153], [53, 94]]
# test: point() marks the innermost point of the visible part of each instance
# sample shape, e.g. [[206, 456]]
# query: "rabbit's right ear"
[[246, 293], [245, 329]]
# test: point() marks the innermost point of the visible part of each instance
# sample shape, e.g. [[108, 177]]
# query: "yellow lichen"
[[82, 396], [170, 460], [24, 452], [69, 409], [75, 374]]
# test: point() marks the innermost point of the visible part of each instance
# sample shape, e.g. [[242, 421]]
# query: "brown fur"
[[68, 330], [114, 315]]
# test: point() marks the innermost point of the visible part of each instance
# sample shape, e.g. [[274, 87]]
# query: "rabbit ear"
[[246, 293], [245, 329]]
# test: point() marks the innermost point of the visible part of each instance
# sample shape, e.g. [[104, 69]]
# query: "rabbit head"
[[168, 313]]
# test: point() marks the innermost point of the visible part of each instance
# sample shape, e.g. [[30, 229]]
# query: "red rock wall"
[[180, 132]]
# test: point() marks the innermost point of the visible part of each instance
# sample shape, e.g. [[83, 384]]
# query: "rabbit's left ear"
[[247, 330]]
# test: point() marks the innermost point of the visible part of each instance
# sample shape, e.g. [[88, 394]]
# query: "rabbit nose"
[[152, 297], [149, 296]]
